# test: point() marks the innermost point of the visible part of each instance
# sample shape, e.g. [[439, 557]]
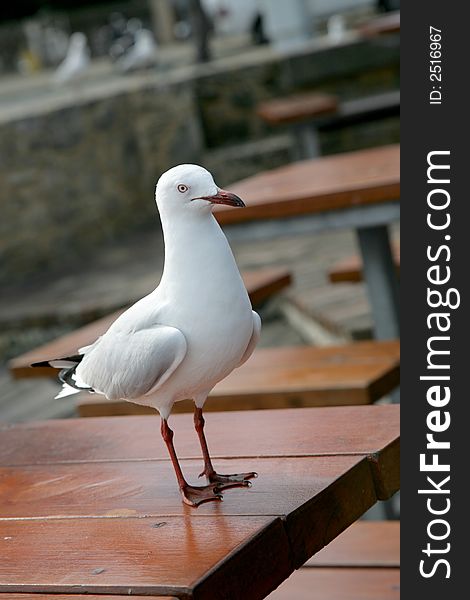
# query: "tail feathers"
[[67, 376], [70, 385], [66, 390]]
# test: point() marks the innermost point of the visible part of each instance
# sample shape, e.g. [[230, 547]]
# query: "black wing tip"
[[43, 363], [47, 363]]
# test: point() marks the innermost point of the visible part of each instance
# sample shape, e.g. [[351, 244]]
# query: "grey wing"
[[253, 340], [130, 365]]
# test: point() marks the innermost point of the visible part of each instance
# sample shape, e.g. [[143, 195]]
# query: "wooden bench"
[[261, 285], [350, 269], [287, 377], [311, 113], [363, 562], [91, 506]]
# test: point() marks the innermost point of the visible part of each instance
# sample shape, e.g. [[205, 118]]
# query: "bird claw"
[[196, 495], [225, 482]]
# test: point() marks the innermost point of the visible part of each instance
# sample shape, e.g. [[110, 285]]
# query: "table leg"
[[381, 280], [308, 141], [382, 284]]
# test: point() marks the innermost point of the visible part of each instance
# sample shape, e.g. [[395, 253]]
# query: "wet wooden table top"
[[92, 506], [317, 185]]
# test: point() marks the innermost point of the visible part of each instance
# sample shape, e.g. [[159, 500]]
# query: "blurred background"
[[97, 99]]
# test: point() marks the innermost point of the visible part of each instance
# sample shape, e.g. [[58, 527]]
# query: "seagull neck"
[[193, 244]]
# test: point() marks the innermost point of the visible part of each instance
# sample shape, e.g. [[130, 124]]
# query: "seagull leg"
[[223, 481], [192, 495]]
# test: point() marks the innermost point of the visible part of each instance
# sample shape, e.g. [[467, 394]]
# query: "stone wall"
[[79, 173], [73, 178]]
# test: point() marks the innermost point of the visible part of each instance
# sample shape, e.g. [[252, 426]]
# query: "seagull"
[[76, 60], [188, 334], [141, 55]]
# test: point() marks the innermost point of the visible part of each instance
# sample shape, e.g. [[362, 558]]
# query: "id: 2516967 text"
[[435, 65]]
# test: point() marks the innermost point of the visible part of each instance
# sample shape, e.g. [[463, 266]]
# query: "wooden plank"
[[308, 493], [361, 430], [10, 596], [261, 284], [364, 544], [362, 177], [289, 377], [127, 489], [365, 431], [349, 270], [316, 497], [297, 108], [140, 556], [382, 25], [300, 490], [340, 584]]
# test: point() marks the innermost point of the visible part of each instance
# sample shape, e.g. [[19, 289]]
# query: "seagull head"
[[191, 188], [78, 40]]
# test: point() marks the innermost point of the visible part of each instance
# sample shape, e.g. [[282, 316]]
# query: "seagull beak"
[[224, 197]]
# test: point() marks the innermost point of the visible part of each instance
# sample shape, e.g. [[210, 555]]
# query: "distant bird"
[[141, 55], [76, 61], [186, 335], [122, 34]]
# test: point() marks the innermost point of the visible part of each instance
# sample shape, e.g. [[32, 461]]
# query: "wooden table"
[[300, 111], [91, 505], [358, 189], [310, 113]]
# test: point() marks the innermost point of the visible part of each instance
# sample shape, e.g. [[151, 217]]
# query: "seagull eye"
[[182, 188]]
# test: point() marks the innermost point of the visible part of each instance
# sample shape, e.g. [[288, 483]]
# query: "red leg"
[[192, 495], [224, 481]]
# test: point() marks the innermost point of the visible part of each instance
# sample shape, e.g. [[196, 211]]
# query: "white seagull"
[[188, 334], [76, 61], [141, 55]]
